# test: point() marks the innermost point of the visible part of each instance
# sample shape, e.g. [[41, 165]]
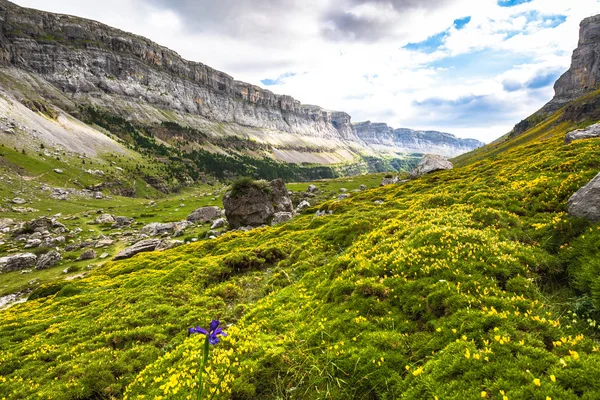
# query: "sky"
[[469, 67]]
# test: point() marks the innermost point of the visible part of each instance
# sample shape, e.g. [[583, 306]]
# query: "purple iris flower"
[[213, 333]]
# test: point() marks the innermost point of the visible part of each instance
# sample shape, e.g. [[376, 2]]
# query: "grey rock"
[[219, 223], [59, 171], [592, 131], [6, 223], [105, 219], [204, 215], [121, 222], [302, 206], [362, 187], [343, 190], [89, 254], [312, 189], [389, 180], [586, 202], [18, 200], [48, 260], [98, 195], [431, 163], [281, 217], [256, 205], [31, 243], [104, 243], [17, 262], [158, 229], [140, 247], [343, 196]]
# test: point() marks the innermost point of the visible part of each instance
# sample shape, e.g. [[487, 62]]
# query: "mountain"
[[469, 283], [386, 139], [65, 67]]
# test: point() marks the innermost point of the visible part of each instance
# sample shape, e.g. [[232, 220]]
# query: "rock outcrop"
[[140, 247], [586, 202], [17, 262], [584, 74], [431, 163], [48, 260], [204, 215], [255, 204], [592, 131]]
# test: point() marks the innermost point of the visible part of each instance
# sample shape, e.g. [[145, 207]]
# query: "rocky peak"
[[584, 74]]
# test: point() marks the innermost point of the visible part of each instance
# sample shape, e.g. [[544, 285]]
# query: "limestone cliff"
[[74, 64], [385, 138]]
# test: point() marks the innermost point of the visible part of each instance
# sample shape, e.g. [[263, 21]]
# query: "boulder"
[[431, 163], [17, 262], [389, 180], [48, 260], [104, 243], [343, 196], [586, 202], [160, 229], [255, 203], [18, 200], [302, 206], [105, 219], [312, 189], [592, 131], [362, 187], [121, 222], [140, 247], [219, 223], [281, 217], [89, 254], [204, 215], [6, 223]]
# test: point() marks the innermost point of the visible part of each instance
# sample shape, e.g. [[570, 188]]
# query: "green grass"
[[464, 283]]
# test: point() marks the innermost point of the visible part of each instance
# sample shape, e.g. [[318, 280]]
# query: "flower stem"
[[202, 367]]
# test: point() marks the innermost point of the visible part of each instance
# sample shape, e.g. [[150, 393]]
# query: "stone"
[[104, 243], [379, 202], [586, 202], [362, 187], [389, 180], [219, 223], [89, 254], [18, 200], [431, 163], [343, 190], [140, 247], [48, 260], [592, 131], [302, 206], [158, 229], [281, 217], [255, 204], [98, 195], [59, 171], [105, 219], [343, 196], [17, 262], [31, 243], [121, 222], [6, 223], [312, 189]]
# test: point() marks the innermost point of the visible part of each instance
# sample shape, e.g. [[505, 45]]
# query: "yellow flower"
[[552, 378], [537, 382], [483, 394], [418, 371]]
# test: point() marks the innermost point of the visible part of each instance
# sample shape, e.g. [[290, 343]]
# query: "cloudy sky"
[[469, 67]]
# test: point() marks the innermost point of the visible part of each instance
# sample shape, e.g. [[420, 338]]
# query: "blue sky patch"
[[278, 81], [512, 3], [486, 63], [429, 45], [461, 23]]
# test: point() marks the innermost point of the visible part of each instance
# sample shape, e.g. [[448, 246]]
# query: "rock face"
[[91, 64], [431, 163], [17, 262], [204, 215], [584, 74], [255, 205], [48, 260], [586, 202], [382, 137], [592, 131], [139, 247]]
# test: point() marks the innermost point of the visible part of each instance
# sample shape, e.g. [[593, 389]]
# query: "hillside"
[[148, 98], [468, 283]]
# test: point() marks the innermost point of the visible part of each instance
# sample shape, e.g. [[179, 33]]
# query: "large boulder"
[[586, 202], [105, 219], [17, 262], [592, 131], [255, 203], [160, 229], [89, 254], [140, 247], [204, 215], [48, 260], [431, 163]]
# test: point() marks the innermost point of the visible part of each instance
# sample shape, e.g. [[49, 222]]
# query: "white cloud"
[[348, 54]]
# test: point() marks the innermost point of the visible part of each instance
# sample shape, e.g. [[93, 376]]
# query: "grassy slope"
[[457, 287]]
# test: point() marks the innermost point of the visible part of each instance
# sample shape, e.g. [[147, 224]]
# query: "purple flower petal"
[[201, 330], [214, 325]]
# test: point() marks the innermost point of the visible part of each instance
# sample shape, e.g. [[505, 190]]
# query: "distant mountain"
[[154, 102], [384, 138]]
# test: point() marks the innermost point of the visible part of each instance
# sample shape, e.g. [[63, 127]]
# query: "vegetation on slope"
[[463, 284]]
